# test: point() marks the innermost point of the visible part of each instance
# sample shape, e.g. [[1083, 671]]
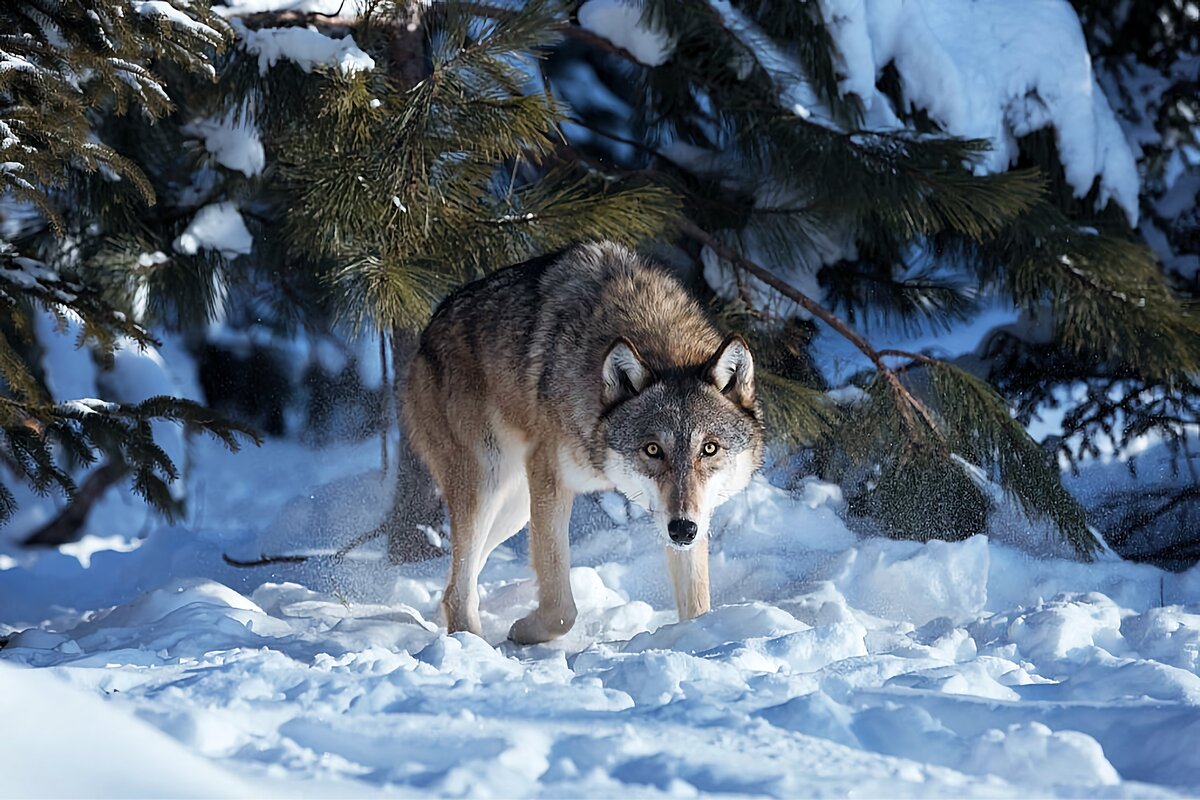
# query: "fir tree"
[[66, 69]]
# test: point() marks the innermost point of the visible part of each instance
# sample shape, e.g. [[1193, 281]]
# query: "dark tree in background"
[[373, 174]]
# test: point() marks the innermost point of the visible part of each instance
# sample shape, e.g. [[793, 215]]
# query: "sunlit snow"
[[830, 664]]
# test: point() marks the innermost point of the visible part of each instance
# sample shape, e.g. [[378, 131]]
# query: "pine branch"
[[980, 428], [911, 408], [1105, 294], [453, 171], [502, 14], [971, 419]]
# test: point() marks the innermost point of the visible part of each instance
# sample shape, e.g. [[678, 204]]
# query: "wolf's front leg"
[[689, 577], [549, 520]]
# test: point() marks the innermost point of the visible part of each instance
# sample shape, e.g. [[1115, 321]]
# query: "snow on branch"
[[217, 226], [995, 70], [620, 22], [175, 17], [234, 142], [305, 47]]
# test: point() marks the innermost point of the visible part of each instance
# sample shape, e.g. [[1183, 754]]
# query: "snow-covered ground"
[[831, 665]]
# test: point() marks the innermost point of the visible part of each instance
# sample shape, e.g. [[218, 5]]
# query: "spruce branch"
[[118, 433]]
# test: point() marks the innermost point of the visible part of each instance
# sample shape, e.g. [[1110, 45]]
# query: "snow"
[[164, 10], [234, 144], [88, 546], [307, 48], [830, 664], [87, 405], [68, 370], [620, 22], [347, 8], [153, 259], [111, 753], [991, 69], [217, 226]]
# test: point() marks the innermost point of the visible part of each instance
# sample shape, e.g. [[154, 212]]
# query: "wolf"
[[587, 370]]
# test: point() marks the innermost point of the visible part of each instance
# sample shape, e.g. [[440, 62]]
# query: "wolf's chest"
[[577, 473]]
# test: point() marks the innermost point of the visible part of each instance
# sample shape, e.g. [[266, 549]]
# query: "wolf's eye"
[[653, 450], [710, 449]]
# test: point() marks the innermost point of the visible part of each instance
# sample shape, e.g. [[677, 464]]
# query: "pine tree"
[[438, 143], [66, 69], [477, 164], [1145, 55], [897, 224]]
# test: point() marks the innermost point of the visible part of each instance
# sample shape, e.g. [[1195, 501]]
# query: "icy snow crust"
[[830, 665]]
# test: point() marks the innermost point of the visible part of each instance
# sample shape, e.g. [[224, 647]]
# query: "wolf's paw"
[[532, 629]]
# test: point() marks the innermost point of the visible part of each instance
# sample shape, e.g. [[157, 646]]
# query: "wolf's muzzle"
[[682, 531]]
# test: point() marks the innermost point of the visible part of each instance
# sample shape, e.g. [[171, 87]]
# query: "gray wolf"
[[588, 370]]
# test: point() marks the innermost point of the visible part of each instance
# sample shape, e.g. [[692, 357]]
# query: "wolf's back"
[[526, 342]]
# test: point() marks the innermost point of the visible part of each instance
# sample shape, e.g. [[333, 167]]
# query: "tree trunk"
[[416, 506]]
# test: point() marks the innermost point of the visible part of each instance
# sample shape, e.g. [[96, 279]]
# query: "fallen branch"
[[412, 555]]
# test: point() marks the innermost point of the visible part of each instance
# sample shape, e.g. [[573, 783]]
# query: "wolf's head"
[[682, 442]]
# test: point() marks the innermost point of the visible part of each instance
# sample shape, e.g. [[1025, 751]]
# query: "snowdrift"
[[830, 664]]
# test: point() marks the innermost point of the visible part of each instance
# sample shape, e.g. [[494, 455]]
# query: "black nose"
[[683, 531]]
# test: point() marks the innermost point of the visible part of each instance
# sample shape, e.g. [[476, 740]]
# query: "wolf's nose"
[[683, 531]]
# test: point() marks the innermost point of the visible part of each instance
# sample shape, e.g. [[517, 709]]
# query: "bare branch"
[[908, 403]]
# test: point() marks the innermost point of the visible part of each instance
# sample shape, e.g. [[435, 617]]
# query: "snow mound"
[[1033, 754], [187, 618], [721, 626], [1170, 635], [918, 583], [111, 753], [1068, 628]]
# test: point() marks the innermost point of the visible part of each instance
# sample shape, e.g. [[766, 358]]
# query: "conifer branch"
[[576, 32], [910, 407]]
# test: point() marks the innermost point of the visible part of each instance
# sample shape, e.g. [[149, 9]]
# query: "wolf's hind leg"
[[549, 521], [512, 512], [468, 538], [689, 577]]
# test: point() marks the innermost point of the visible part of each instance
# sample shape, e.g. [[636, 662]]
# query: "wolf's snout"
[[683, 531]]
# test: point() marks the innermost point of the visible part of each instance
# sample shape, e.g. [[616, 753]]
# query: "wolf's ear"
[[731, 370], [624, 373]]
